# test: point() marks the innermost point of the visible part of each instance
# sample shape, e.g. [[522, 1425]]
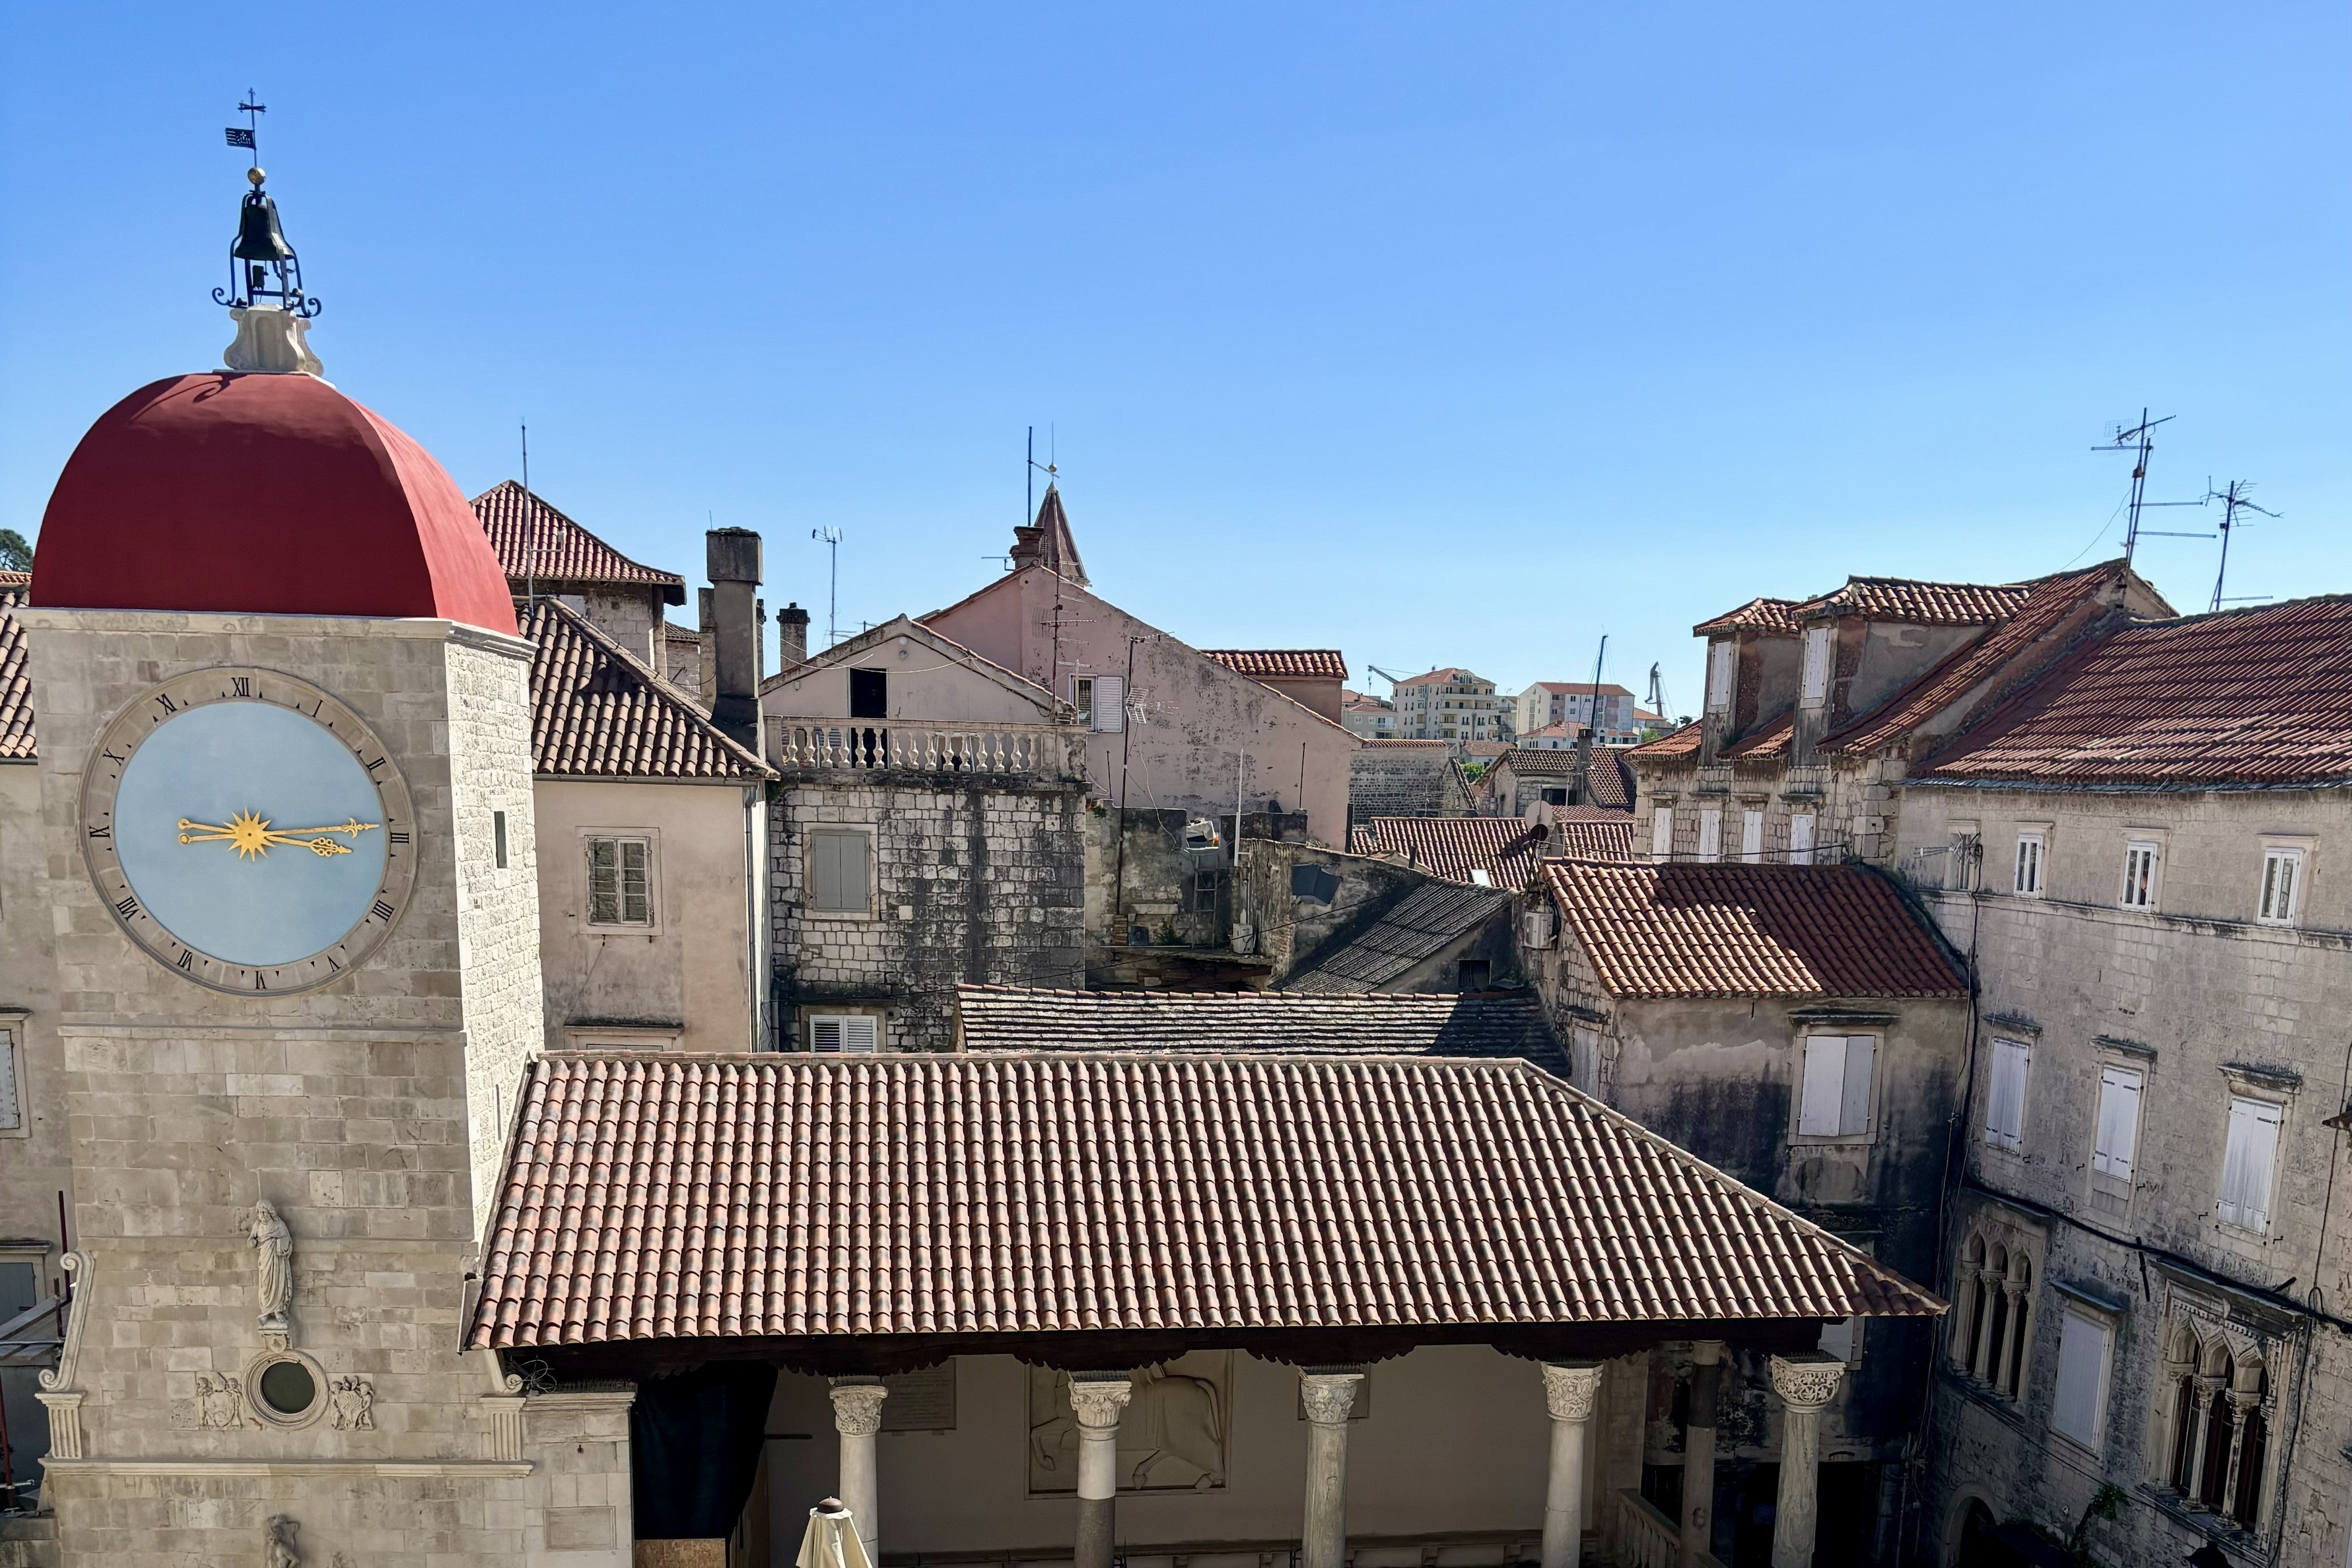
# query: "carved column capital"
[[1806, 1382], [857, 1405], [1329, 1392], [1571, 1389], [2207, 1387], [1099, 1397]]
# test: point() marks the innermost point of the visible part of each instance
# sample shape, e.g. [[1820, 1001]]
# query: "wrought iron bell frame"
[[261, 264]]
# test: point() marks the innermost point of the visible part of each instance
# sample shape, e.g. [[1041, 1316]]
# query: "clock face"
[[249, 830]]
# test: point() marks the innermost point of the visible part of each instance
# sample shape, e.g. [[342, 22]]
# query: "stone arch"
[[1969, 1515]]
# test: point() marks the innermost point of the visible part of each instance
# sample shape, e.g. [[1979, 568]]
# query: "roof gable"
[[1416, 928], [1048, 542], [850, 649], [536, 543]]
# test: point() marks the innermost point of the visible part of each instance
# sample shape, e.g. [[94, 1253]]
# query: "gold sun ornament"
[[250, 834]]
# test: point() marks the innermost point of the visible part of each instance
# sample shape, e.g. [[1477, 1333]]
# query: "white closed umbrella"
[[831, 1541]]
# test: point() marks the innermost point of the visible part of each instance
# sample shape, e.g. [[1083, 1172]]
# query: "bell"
[[259, 238]]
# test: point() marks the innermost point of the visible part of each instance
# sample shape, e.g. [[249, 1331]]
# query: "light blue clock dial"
[[284, 841]]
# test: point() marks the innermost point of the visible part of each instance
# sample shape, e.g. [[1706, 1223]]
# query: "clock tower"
[[286, 793]]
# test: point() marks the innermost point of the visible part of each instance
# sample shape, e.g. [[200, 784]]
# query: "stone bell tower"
[[286, 794]]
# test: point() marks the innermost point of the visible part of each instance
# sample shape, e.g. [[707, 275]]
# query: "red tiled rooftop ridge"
[[566, 553], [2259, 697], [1673, 747], [1689, 930], [1451, 848], [597, 713], [1282, 664], [1756, 615], [1919, 604], [791, 1195]]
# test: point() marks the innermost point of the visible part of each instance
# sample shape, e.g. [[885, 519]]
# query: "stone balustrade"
[[1648, 1539], [1034, 751]]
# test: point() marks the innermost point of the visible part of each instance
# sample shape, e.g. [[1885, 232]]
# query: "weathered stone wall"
[[1289, 928], [630, 616], [2190, 994], [979, 881], [1405, 781], [35, 1161]]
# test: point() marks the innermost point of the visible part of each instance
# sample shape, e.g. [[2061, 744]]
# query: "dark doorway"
[[869, 693], [1472, 974]]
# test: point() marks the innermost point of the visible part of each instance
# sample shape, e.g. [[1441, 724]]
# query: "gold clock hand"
[[250, 834]]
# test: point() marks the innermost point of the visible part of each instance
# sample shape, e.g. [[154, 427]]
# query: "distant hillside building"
[[1449, 704]]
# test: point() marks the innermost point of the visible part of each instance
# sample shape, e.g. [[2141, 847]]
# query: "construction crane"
[[1373, 669], [1657, 697]]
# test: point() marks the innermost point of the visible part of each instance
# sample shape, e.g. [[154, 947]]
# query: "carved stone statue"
[[281, 1534], [354, 1405], [267, 1234]]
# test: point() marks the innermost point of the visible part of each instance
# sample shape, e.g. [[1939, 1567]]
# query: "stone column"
[[1571, 1390], [1980, 1354], [2239, 1404], [2004, 1354], [1698, 1452], [856, 1416], [1329, 1394], [2208, 1388], [1805, 1384], [1097, 1397]]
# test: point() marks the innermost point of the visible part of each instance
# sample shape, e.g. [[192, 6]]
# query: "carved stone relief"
[[279, 1536], [354, 1405], [1175, 1433]]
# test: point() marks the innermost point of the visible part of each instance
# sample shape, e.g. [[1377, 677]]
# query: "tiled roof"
[[1447, 674], [1453, 847], [567, 553], [1582, 688], [1756, 615], [1048, 542], [1772, 740], [791, 1195], [597, 713], [1255, 1023], [1673, 747], [1417, 927], [15, 683], [2256, 697], [1684, 930], [1282, 664], [1396, 740], [1919, 604], [1612, 780], [1580, 834]]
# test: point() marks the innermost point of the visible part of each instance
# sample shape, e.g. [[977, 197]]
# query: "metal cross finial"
[[249, 137]]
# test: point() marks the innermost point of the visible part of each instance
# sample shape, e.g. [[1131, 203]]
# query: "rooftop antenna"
[[830, 536], [530, 514], [2140, 440], [2233, 499], [1592, 707]]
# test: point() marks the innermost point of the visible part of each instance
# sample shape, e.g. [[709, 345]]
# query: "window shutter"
[[1751, 836], [1662, 832], [2005, 1112], [1800, 839], [849, 850], [1710, 835], [825, 871], [1823, 1095], [1718, 677], [1110, 704], [2082, 1378], [859, 1034], [824, 1034], [604, 881], [635, 886], [12, 1114], [1817, 663], [2119, 1123], [1853, 1115], [1837, 1339], [2246, 1166]]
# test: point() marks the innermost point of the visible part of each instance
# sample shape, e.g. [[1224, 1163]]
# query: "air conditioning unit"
[[1200, 836], [1536, 927]]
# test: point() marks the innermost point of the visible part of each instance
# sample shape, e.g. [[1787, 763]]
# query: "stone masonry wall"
[[980, 882]]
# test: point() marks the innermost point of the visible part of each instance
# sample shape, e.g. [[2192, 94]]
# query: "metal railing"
[[1003, 750], [1648, 1539]]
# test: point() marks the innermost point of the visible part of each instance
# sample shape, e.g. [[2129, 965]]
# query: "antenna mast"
[[2140, 440], [2233, 499], [531, 522], [830, 536]]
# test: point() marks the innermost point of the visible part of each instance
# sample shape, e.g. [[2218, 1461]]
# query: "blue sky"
[[1442, 334]]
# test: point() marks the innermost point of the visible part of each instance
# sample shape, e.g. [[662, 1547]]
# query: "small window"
[[837, 881], [2282, 884], [1751, 836], [2117, 1139], [1817, 665], [1082, 698], [2005, 1107], [2249, 1164], [1961, 862], [498, 838], [2139, 873], [1710, 835], [869, 693], [1800, 838], [1555, 796], [845, 1034], [1584, 1061], [2085, 1350], [1662, 833], [620, 882], [1718, 676], [2028, 882], [1835, 1103], [1839, 1339], [1472, 974], [12, 1106]]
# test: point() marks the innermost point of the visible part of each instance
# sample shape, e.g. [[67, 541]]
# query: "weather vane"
[[262, 265], [248, 135]]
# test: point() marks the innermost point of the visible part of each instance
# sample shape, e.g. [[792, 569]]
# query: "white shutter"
[[1837, 1339], [2246, 1164], [1662, 833], [1751, 836], [2118, 1135], [1822, 1102], [824, 1034], [1800, 839], [1817, 665], [12, 1114], [2079, 1407], [859, 1034], [1110, 704], [2005, 1107], [1710, 835], [1853, 1112], [1718, 677]]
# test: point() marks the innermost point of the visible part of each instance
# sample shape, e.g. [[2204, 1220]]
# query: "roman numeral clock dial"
[[247, 830]]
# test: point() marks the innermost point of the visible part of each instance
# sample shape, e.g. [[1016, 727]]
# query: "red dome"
[[258, 493]]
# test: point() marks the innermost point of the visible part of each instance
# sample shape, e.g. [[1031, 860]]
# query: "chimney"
[[731, 635], [1584, 764], [792, 637]]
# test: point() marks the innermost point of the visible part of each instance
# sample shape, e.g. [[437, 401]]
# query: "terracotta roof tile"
[[16, 681], [650, 1197], [1453, 847], [1772, 740], [2256, 697], [1282, 664], [1756, 615], [568, 554], [1600, 836], [1685, 930], [597, 713], [1416, 928], [1918, 603], [1025, 1018], [1673, 747]]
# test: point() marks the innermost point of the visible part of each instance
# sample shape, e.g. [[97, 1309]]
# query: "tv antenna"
[[2233, 499], [2140, 441], [830, 536], [531, 522], [1048, 467]]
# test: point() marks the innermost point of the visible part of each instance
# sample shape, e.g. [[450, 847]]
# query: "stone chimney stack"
[[792, 637], [732, 639]]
